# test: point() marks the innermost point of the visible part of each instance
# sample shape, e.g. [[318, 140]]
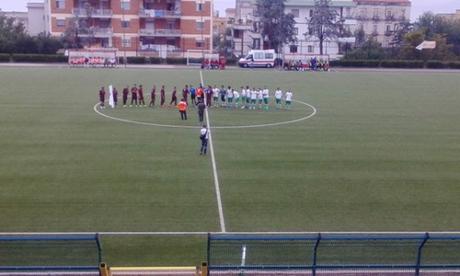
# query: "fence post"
[[419, 253], [208, 250], [315, 254], [99, 249]]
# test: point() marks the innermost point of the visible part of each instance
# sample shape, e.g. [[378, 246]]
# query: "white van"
[[259, 58]]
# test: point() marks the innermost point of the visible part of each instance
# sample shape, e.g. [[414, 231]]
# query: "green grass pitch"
[[381, 154]]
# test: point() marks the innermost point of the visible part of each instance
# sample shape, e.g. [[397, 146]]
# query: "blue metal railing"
[[372, 251]]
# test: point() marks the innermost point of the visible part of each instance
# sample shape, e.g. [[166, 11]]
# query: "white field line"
[[315, 111], [214, 166], [243, 255], [137, 122], [230, 233]]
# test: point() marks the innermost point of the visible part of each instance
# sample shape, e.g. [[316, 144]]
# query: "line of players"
[[246, 98]]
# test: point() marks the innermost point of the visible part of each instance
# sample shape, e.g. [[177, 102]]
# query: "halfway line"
[[214, 166]]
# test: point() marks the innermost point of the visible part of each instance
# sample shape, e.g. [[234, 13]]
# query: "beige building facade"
[[380, 19], [451, 16]]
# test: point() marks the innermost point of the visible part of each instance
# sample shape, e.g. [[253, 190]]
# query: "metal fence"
[[316, 254]]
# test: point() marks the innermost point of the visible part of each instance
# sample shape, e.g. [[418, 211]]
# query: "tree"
[[325, 22], [360, 37], [10, 33], [277, 26], [401, 30], [371, 49], [70, 38]]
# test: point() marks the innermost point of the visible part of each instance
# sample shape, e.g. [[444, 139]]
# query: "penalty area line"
[[214, 166]]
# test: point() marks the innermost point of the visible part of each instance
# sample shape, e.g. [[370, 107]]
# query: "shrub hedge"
[[432, 64], [33, 58], [5, 57]]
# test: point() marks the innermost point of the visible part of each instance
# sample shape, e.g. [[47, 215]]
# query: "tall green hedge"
[[5, 57], [416, 64]]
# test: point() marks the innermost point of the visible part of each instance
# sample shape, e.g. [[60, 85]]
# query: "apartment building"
[[162, 28], [380, 19], [450, 16], [246, 29], [306, 42], [19, 17]]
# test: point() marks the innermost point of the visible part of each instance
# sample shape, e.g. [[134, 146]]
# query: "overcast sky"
[[418, 6]]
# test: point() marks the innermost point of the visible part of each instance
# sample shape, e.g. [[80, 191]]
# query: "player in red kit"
[[153, 96], [174, 97], [140, 93], [125, 96], [134, 96], [115, 96], [163, 95], [185, 93], [208, 92], [102, 97]]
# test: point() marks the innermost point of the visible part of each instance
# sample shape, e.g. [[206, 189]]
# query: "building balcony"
[[144, 13], [95, 32], [160, 32], [94, 13]]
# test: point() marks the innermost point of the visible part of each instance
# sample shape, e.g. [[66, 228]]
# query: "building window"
[[310, 49], [375, 30], [388, 28], [199, 26], [125, 24], [60, 4], [199, 43], [295, 12], [126, 42], [125, 5], [388, 14], [256, 44], [311, 13], [199, 7], [293, 49], [60, 22], [295, 31]]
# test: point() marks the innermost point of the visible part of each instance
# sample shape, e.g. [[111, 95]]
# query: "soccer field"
[[381, 154]]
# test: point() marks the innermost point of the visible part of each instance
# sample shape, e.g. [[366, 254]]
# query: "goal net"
[[92, 57], [201, 57]]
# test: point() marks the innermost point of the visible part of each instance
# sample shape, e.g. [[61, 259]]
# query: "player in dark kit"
[[134, 96], [115, 96], [193, 95], [140, 92], [153, 96], [125, 96], [209, 93], [201, 108], [174, 97], [102, 97], [162, 96], [185, 92]]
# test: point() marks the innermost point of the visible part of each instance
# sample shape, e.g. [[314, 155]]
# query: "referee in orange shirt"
[[182, 106]]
